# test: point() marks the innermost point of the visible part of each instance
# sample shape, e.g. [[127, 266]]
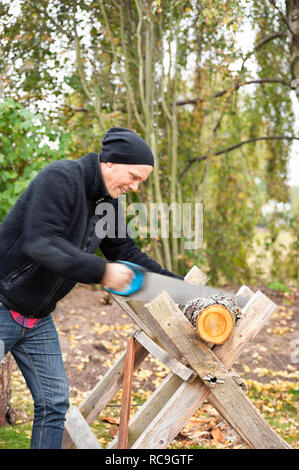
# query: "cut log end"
[[215, 324]]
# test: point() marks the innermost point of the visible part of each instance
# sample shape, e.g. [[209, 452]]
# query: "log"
[[215, 324]]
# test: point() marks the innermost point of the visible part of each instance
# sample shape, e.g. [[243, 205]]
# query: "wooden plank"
[[157, 333], [79, 431], [172, 364], [196, 276], [105, 390]]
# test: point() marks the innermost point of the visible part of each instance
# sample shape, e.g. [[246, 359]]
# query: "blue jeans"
[[37, 352]]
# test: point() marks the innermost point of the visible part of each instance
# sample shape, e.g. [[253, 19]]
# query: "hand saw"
[[146, 285]]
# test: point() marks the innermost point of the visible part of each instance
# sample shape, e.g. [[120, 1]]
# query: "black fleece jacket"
[[48, 239]]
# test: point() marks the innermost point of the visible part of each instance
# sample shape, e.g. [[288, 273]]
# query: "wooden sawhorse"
[[198, 372]]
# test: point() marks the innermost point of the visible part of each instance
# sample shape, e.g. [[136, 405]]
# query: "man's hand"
[[117, 276]]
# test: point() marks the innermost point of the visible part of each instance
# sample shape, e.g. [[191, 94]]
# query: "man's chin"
[[115, 194]]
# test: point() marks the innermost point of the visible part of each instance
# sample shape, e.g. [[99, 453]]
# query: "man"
[[47, 245]]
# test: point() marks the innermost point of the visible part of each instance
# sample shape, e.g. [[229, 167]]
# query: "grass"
[[15, 437], [278, 286]]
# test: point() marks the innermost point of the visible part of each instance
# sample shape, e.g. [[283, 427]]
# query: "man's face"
[[120, 178]]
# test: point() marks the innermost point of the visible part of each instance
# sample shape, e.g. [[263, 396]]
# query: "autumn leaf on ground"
[[217, 435], [111, 420]]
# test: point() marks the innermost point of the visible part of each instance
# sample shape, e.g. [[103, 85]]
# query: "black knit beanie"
[[124, 146]]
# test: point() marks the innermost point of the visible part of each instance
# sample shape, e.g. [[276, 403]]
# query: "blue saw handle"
[[136, 282]]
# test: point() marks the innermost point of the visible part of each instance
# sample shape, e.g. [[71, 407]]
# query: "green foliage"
[[284, 249], [231, 216], [26, 146], [278, 286]]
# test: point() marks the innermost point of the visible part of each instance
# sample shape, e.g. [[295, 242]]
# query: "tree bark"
[[7, 414]]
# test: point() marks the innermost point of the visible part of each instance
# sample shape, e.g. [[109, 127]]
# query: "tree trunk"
[[7, 414]]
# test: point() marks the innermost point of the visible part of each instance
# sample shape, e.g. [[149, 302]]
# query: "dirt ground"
[[93, 334]]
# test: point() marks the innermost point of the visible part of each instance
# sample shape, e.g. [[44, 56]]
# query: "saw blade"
[[182, 292]]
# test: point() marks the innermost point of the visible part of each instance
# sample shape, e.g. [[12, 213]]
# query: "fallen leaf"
[[217, 435], [200, 420]]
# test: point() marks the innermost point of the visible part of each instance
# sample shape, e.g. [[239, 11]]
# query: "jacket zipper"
[[52, 292], [27, 268]]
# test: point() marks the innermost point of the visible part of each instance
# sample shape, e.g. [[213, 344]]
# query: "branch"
[[236, 86], [267, 39], [80, 67], [262, 42], [75, 110], [233, 147]]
